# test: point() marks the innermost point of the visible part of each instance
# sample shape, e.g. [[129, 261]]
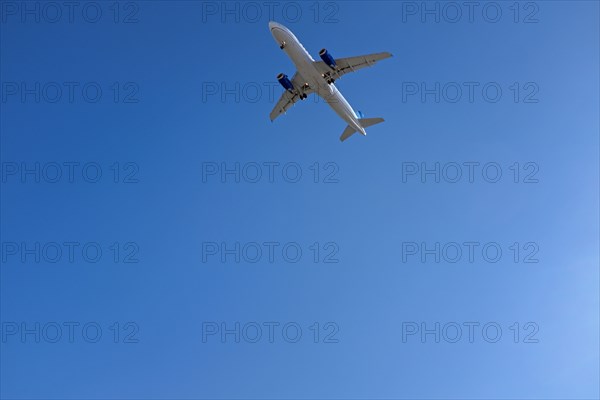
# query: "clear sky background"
[[179, 96]]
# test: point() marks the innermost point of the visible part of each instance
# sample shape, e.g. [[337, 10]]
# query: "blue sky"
[[122, 213]]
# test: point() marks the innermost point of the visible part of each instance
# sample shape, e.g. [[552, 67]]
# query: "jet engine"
[[327, 59], [285, 82]]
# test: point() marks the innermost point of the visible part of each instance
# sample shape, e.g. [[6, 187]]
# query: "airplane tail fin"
[[364, 122]]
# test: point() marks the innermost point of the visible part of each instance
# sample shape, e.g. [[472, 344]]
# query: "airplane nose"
[[273, 25]]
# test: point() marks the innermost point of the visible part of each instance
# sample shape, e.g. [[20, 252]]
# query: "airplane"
[[318, 77]]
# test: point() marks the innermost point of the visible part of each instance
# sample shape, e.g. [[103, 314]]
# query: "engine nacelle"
[[327, 59], [285, 82]]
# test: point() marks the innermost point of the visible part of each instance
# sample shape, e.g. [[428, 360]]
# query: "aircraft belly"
[[339, 104]]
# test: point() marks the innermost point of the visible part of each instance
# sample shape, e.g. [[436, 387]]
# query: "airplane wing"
[[350, 64], [288, 99]]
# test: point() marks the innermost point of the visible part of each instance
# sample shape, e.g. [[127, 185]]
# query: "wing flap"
[[288, 99], [350, 64]]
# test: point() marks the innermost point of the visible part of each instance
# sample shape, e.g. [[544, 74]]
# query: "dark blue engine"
[[327, 59], [285, 82]]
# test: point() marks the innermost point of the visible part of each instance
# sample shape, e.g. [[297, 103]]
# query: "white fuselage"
[[305, 65]]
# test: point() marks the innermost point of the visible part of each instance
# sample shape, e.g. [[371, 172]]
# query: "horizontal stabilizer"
[[364, 122], [349, 131]]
